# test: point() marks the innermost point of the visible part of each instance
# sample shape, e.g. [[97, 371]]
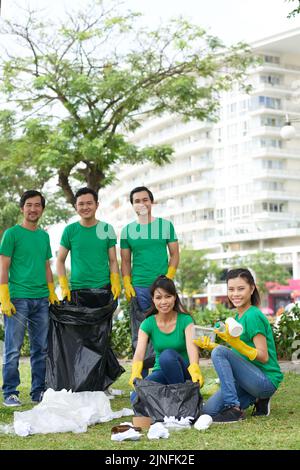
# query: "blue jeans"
[[143, 297], [173, 370], [33, 313], [241, 382]]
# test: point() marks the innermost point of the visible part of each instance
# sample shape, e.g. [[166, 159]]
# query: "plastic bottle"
[[235, 329]]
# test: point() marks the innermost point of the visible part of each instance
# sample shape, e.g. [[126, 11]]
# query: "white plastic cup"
[[235, 329], [203, 422]]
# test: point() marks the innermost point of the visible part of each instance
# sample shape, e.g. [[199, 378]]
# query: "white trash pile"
[[65, 411]]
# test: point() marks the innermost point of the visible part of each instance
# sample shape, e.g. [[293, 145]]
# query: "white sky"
[[231, 20]]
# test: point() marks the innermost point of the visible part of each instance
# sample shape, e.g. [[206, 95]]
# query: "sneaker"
[[229, 415], [262, 407], [38, 398], [12, 400]]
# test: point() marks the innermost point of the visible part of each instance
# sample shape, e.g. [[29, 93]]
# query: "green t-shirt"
[[254, 322], [89, 248], [161, 341], [29, 250], [148, 244]]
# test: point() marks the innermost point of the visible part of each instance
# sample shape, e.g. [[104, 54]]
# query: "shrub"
[[121, 333], [287, 332]]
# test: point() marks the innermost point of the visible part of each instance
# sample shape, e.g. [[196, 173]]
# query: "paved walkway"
[[285, 366]]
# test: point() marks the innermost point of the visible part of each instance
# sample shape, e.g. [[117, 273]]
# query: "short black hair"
[[83, 191], [138, 190], [29, 194]]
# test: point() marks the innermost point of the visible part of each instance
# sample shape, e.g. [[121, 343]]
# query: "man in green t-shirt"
[[92, 246], [144, 248], [26, 287]]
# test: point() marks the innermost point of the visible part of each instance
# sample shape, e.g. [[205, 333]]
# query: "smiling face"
[[86, 206], [239, 292], [164, 301], [32, 209], [141, 203]]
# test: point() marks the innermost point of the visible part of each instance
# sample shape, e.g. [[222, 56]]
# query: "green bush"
[[121, 333], [208, 317], [287, 333]]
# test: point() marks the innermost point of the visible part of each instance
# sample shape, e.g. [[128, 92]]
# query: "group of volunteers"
[[248, 371]]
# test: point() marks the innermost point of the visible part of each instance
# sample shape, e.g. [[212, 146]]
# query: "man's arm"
[[113, 262], [60, 262], [173, 248], [49, 275], [4, 268], [126, 262], [61, 272], [6, 306]]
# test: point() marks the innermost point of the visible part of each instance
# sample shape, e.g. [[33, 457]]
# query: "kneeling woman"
[[249, 372], [170, 330]]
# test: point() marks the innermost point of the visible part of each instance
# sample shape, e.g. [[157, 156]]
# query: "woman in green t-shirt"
[[249, 373], [170, 329]]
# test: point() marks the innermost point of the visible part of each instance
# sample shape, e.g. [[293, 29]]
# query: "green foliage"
[[194, 271], [81, 86], [208, 317], [287, 333], [121, 333], [265, 267], [296, 10]]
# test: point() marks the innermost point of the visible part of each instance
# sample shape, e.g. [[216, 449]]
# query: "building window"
[[273, 206], [272, 59]]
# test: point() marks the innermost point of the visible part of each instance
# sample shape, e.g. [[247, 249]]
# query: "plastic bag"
[[79, 354], [136, 318], [65, 411], [158, 400]]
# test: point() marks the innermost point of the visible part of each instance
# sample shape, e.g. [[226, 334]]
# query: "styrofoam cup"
[[235, 329], [203, 422]]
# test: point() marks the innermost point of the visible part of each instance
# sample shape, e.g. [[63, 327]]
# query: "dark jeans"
[[33, 313]]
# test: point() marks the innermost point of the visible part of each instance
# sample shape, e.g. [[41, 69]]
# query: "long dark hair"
[[163, 282], [245, 274]]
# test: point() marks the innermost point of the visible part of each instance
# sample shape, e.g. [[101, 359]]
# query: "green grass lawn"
[[281, 430]]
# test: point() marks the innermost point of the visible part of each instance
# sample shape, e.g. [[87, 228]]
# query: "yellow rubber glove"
[[136, 372], [65, 290], [171, 272], [204, 342], [7, 307], [195, 373], [53, 299], [129, 290], [115, 284], [237, 344]]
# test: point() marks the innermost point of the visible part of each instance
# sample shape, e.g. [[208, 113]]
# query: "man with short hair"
[[26, 287], [144, 248], [92, 246]]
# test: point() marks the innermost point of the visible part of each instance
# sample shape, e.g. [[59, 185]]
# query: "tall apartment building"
[[233, 187]]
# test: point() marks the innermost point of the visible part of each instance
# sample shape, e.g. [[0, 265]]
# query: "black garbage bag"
[[79, 354], [158, 400], [136, 318]]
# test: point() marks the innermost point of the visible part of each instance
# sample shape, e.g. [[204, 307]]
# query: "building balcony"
[[275, 153], [170, 172], [270, 174], [194, 187], [263, 195]]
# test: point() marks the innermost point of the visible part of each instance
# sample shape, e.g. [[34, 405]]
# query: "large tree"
[[84, 85], [296, 10]]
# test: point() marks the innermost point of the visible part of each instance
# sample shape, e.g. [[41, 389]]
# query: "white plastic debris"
[[203, 422], [158, 431], [175, 424], [130, 435], [65, 411]]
